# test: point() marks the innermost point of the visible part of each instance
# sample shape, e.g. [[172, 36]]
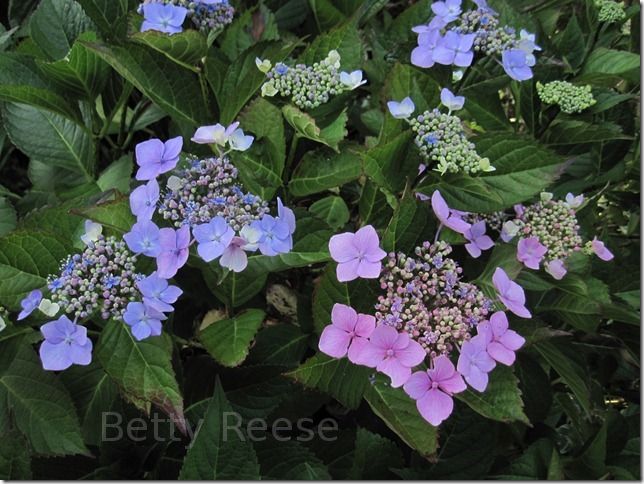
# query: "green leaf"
[[15, 461], [281, 344], [142, 369], [51, 139], [409, 221], [343, 380], [186, 48], [501, 400], [228, 340], [333, 210], [387, 165], [176, 91], [26, 259], [373, 457], [345, 39], [7, 216], [41, 406], [114, 214], [570, 366], [110, 16], [117, 175], [539, 461], [243, 79], [217, 451], [405, 80], [55, 25], [320, 170], [572, 132], [608, 66], [305, 126], [289, 460], [400, 414], [82, 72]]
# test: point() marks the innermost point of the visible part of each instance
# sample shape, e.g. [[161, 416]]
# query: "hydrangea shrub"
[[382, 240]]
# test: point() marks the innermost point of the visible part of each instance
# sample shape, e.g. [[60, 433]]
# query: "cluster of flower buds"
[[204, 203], [440, 137], [308, 86], [426, 313], [548, 233], [425, 297], [569, 98], [610, 11], [453, 37], [169, 15]]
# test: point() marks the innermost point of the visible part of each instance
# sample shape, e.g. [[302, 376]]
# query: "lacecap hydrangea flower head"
[[440, 137], [455, 36], [308, 86], [432, 333], [201, 201], [168, 16]]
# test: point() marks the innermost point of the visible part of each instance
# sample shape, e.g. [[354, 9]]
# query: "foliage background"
[[79, 89]]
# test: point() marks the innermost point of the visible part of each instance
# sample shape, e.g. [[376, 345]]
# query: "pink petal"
[[395, 370], [357, 350], [149, 151], [499, 323], [477, 379], [473, 250], [342, 249], [442, 370], [344, 317], [347, 271], [412, 355], [365, 325], [418, 385], [367, 239], [485, 242], [512, 340], [440, 206], [334, 342], [402, 341], [435, 407], [500, 353], [501, 280], [234, 258], [375, 254], [384, 337], [453, 384], [370, 355], [369, 270]]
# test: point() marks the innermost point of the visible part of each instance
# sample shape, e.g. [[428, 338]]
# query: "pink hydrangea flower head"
[[530, 252], [510, 293], [502, 342], [433, 390], [347, 333], [448, 217], [474, 362], [357, 255], [391, 353]]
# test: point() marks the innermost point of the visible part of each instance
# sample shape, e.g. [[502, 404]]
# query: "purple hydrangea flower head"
[[450, 101], [556, 269], [174, 250], [143, 320], [275, 235], [158, 294], [143, 238], [502, 342], [574, 201], [348, 333], [474, 363], [66, 344], [455, 48], [155, 157], [143, 200], [433, 390], [391, 353], [448, 217], [30, 303], [215, 134], [164, 18], [423, 54], [286, 214], [448, 11], [516, 64], [402, 109], [510, 293], [530, 251], [213, 238], [478, 241], [357, 255], [600, 250], [239, 141]]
